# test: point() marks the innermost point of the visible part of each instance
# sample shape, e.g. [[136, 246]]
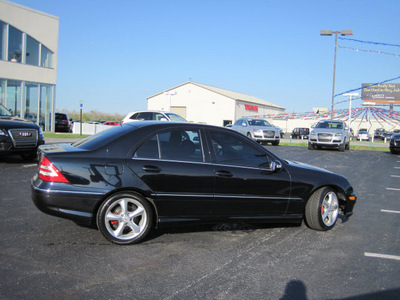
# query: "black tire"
[[348, 146], [125, 218], [249, 135], [342, 147], [30, 156], [310, 146], [275, 143], [322, 209]]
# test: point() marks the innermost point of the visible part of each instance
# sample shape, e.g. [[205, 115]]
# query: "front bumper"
[[327, 140], [347, 207]]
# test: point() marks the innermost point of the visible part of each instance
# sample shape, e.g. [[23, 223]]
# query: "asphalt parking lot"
[[43, 257]]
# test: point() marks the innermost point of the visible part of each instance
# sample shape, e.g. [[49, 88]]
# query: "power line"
[[371, 51], [363, 87], [369, 42]]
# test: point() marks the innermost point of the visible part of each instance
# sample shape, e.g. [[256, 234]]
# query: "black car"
[[142, 175], [63, 123], [394, 145], [300, 133], [19, 136]]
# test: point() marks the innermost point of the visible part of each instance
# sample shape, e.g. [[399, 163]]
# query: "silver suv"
[[258, 129], [329, 133]]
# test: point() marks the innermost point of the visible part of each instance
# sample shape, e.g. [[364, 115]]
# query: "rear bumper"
[[78, 206]]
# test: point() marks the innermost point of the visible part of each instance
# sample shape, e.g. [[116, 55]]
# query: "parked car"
[[363, 135], [111, 123], [394, 144], [300, 133], [259, 130], [379, 133], [329, 134], [63, 123], [19, 136], [132, 178], [150, 115], [281, 131]]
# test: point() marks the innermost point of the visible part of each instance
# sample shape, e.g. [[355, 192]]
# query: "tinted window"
[[232, 150], [148, 150], [181, 145], [145, 116], [259, 122]]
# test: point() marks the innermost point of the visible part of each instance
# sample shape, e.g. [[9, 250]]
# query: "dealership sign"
[[251, 107], [385, 93]]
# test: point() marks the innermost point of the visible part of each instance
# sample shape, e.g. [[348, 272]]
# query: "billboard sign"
[[383, 93]]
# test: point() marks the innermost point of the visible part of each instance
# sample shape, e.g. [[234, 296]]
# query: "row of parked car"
[[64, 123]]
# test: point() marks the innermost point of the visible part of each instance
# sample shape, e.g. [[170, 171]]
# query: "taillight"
[[48, 172]]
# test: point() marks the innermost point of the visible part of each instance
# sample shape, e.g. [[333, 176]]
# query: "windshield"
[[175, 117], [4, 112], [259, 122], [330, 124]]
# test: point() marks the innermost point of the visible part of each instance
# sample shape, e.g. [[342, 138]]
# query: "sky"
[[114, 54]]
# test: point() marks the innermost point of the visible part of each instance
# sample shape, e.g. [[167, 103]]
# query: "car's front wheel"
[[125, 218], [322, 209]]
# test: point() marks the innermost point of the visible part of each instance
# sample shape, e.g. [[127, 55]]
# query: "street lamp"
[[350, 95], [329, 33]]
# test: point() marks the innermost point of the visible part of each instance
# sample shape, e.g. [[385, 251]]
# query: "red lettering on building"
[[251, 107]]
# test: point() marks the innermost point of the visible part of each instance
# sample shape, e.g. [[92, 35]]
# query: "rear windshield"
[[104, 137]]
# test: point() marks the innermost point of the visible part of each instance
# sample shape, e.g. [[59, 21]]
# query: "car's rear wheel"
[[322, 209], [125, 218], [29, 156], [275, 143]]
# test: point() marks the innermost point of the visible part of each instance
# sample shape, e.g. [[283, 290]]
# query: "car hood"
[[13, 122], [264, 128], [306, 166], [327, 130]]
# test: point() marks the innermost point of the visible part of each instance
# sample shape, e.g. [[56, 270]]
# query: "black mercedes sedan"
[[143, 175], [19, 136], [394, 144]]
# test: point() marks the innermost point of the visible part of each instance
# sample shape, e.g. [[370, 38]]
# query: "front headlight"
[[338, 134], [312, 133]]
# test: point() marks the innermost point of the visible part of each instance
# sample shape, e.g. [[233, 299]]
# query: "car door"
[[245, 183], [172, 164]]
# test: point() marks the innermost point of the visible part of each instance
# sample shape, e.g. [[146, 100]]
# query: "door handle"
[[151, 169], [224, 173]]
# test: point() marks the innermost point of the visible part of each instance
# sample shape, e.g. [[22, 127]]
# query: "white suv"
[[152, 115], [330, 133]]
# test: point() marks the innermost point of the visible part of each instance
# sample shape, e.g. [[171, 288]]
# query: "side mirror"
[[244, 124], [163, 119], [275, 165], [312, 126]]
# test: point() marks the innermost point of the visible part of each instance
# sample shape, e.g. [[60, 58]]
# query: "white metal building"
[[202, 103], [28, 62]]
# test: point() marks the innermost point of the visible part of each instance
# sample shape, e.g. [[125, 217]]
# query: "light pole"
[[329, 33], [350, 95]]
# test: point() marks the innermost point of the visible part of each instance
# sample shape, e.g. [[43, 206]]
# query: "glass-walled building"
[[28, 63]]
